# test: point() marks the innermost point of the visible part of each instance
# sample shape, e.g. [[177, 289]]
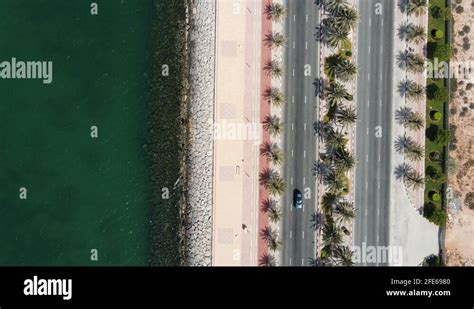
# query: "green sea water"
[[83, 193]]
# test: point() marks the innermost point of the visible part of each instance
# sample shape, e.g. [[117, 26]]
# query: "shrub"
[[442, 52], [437, 34], [435, 115], [431, 260], [442, 137], [436, 197], [441, 94], [434, 214]]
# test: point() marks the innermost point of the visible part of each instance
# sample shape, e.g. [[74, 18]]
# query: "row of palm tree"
[[270, 178], [333, 166], [414, 121]]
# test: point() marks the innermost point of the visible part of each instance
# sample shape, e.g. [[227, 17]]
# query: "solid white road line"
[[366, 211], [366, 158], [303, 235], [368, 76], [302, 261], [304, 180], [292, 153], [305, 126], [292, 126], [293, 44], [305, 99], [306, 17], [292, 99], [290, 261], [306, 44], [304, 153], [293, 72], [366, 185], [378, 185], [291, 180], [290, 235]]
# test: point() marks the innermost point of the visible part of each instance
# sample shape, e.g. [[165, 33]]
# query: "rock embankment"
[[201, 111]]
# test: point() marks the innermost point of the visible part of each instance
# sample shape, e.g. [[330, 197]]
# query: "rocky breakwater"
[[198, 228]]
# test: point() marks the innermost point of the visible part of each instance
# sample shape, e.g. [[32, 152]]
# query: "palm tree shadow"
[[402, 170], [402, 88], [402, 31], [265, 175], [318, 86], [402, 60], [403, 5], [402, 115]]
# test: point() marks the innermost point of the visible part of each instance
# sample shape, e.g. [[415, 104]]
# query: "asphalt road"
[[374, 109], [300, 142]]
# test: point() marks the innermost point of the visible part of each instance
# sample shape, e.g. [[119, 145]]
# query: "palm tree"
[[344, 212], [346, 116], [332, 236], [328, 202], [272, 181], [347, 18], [415, 63], [336, 92], [402, 171], [417, 7], [414, 180], [416, 34], [335, 6], [275, 11], [336, 139], [337, 37], [266, 260], [414, 121], [343, 160], [414, 151], [270, 207], [267, 234], [273, 152], [273, 68], [414, 91], [345, 70], [275, 244], [275, 39], [274, 96], [343, 256], [273, 125], [334, 181]]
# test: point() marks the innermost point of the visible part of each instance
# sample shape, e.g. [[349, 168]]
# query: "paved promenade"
[[238, 128]]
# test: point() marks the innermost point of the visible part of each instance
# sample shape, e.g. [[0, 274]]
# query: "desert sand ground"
[[460, 229]]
